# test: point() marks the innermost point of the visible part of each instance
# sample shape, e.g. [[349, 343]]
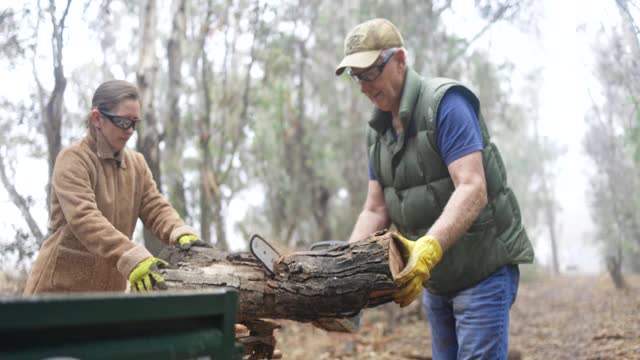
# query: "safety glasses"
[[119, 121], [373, 72]]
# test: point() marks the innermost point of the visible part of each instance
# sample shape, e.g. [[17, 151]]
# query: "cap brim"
[[358, 60]]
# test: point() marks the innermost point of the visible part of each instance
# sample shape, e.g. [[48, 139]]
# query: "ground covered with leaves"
[[563, 317]]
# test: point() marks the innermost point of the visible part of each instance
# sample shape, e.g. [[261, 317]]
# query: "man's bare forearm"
[[369, 222], [461, 210]]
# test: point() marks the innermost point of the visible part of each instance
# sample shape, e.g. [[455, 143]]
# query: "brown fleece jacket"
[[96, 200]]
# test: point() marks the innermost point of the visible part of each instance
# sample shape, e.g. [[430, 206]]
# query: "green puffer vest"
[[417, 186]]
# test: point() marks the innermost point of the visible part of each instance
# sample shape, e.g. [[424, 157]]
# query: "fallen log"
[[308, 286]]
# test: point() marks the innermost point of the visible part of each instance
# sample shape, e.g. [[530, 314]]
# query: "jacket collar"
[[381, 120], [99, 144]]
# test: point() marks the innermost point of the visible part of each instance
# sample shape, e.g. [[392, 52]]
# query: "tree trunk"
[[52, 121], [219, 221], [550, 216], [614, 267], [207, 182], [174, 145], [308, 286], [320, 211], [148, 136]]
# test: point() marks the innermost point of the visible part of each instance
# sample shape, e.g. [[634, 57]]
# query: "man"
[[436, 176]]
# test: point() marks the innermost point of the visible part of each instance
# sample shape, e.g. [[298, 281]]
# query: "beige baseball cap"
[[365, 42]]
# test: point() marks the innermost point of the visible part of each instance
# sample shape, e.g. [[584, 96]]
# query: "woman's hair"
[[109, 94]]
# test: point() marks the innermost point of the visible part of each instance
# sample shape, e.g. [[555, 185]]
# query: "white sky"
[[564, 100], [563, 49]]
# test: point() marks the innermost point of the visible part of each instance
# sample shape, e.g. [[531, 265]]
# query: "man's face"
[[385, 81], [117, 136]]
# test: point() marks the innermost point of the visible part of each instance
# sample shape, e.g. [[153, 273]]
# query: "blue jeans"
[[473, 323]]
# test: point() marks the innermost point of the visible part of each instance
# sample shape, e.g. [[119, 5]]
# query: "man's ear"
[[95, 118], [402, 57]]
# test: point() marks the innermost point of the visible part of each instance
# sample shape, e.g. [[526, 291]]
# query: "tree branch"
[[20, 202], [246, 93], [499, 15]]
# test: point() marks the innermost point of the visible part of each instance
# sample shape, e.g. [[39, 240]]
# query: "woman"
[[98, 191]]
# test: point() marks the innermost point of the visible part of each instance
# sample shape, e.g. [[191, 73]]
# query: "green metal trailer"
[[158, 325]]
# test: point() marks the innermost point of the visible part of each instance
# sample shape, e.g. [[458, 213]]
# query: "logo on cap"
[[353, 42]]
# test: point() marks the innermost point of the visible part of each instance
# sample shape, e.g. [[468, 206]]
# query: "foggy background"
[[284, 154]]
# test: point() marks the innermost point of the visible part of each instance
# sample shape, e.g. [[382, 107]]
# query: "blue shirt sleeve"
[[458, 129], [372, 175]]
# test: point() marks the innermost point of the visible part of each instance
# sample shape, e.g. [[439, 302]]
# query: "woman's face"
[[117, 136]]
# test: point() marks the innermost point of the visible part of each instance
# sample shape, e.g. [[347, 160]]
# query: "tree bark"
[[148, 137], [52, 121], [174, 144], [614, 267], [208, 183], [307, 286]]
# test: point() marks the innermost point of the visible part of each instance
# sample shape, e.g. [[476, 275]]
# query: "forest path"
[[563, 317]]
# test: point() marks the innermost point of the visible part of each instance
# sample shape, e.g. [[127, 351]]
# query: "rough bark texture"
[[307, 286]]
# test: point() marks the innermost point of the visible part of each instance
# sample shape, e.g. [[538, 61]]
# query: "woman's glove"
[[144, 277], [185, 242]]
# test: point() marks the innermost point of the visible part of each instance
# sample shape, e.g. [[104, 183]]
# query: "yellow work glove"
[[185, 242], [145, 277], [420, 257]]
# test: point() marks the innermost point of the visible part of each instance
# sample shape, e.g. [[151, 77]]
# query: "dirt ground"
[[564, 317]]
